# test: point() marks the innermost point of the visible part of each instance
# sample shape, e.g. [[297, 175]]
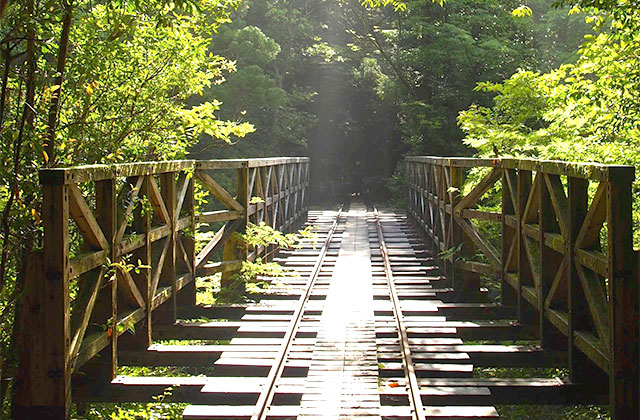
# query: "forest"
[[356, 85]]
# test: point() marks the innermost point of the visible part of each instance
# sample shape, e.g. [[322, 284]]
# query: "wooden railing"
[[119, 254], [564, 257]]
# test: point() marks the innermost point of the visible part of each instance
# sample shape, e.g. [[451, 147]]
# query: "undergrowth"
[[159, 408], [553, 412], [254, 277], [541, 411]]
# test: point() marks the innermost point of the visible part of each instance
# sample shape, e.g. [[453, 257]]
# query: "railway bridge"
[[385, 314]]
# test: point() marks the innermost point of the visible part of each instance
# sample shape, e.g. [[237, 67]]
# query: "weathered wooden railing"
[[565, 256], [119, 254]]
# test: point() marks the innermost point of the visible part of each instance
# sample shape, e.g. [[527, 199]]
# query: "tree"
[[89, 82], [586, 111], [267, 41], [354, 83]]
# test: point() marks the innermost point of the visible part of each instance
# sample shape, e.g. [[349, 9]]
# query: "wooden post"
[[305, 215], [421, 178], [455, 275], [169, 274], [281, 170], [412, 180], [233, 248], [410, 192], [294, 197], [44, 384], [232, 251], [580, 368], [97, 373], [624, 370], [300, 196], [550, 263], [243, 198], [144, 283], [142, 225], [286, 190], [410, 187], [508, 296], [108, 220], [187, 295], [441, 212], [412, 212], [297, 171], [278, 173], [430, 217], [525, 315]]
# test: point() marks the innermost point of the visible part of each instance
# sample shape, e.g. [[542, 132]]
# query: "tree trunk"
[[67, 8], [5, 82], [25, 121]]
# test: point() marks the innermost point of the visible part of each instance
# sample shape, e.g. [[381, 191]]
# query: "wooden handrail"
[[565, 257], [85, 173], [589, 170], [119, 254]]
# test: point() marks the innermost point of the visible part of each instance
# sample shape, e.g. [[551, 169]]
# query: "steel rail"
[[267, 392], [407, 361]]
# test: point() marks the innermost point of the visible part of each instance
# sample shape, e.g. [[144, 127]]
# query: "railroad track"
[[417, 345], [357, 334]]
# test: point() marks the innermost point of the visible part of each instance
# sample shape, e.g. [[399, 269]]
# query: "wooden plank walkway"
[[343, 376]]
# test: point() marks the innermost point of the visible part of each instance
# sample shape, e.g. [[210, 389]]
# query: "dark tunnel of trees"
[[358, 88]]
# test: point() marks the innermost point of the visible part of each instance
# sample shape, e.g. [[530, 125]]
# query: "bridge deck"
[[334, 319], [563, 264], [345, 360]]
